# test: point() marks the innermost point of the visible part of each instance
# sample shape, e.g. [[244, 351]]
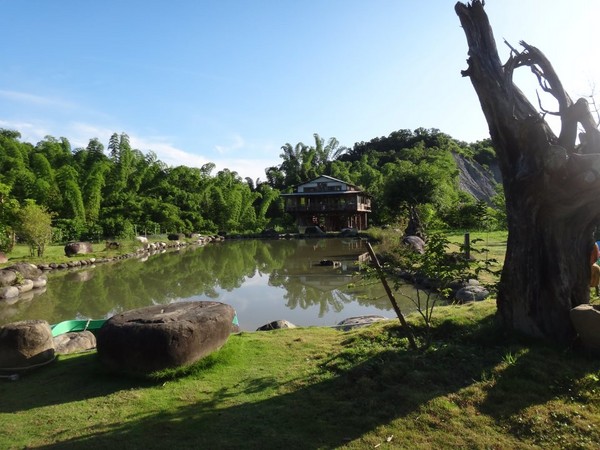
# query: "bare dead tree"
[[551, 183]]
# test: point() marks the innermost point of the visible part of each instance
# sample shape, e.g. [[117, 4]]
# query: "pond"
[[264, 280]]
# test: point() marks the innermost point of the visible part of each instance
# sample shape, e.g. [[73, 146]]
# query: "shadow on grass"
[[535, 374], [327, 414], [357, 395], [354, 395], [35, 388]]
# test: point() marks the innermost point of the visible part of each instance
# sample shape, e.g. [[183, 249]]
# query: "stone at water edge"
[[471, 293], [276, 325], [360, 321], [29, 271], [158, 337], [26, 344]]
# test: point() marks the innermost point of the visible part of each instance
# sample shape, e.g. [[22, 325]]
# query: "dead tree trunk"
[[551, 184]]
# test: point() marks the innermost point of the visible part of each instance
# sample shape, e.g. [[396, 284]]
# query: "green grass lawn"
[[318, 388]]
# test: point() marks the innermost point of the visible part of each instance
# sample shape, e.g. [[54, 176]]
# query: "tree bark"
[[551, 184]]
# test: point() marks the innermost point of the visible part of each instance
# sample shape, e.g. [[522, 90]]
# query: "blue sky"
[[231, 81]]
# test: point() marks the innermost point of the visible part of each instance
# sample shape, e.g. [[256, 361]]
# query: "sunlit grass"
[[318, 388]]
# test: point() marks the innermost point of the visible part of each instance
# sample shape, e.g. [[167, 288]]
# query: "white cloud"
[[238, 144], [23, 97], [253, 168]]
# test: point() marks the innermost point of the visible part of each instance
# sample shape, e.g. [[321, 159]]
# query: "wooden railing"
[[325, 208]]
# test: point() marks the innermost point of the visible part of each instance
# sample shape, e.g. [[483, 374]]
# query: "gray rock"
[[7, 277], [29, 271], [158, 337], [8, 292], [26, 344], [415, 243], [77, 342], [25, 286], [586, 321], [276, 325], [78, 248], [471, 293], [359, 321], [40, 282]]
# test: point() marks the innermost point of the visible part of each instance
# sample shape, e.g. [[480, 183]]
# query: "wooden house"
[[329, 203]]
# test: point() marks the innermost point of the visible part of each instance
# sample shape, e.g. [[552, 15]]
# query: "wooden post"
[[467, 246], [411, 338]]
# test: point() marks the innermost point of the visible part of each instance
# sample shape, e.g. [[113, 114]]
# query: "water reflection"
[[263, 280]]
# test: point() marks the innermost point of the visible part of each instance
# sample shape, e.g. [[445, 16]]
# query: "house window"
[[321, 186]]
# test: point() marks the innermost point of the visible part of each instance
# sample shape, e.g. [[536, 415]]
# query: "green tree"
[[35, 227], [9, 208]]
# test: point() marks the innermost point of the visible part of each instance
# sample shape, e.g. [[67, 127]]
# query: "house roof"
[[328, 177]]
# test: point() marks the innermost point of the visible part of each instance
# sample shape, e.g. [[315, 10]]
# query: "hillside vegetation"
[[97, 193]]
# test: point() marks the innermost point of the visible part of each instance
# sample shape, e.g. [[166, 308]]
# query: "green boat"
[[93, 325], [75, 325]]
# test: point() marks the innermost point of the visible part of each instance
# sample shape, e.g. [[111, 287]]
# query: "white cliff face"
[[475, 179]]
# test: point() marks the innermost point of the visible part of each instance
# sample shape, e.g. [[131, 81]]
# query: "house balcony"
[[326, 208]]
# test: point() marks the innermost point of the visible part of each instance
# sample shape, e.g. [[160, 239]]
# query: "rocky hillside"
[[476, 179]]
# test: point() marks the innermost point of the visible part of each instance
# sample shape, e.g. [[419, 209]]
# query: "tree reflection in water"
[[262, 277]]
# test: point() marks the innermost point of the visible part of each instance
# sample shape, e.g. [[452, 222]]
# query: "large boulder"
[[415, 243], [158, 337], [471, 293], [29, 271], [75, 342], [25, 345], [78, 248], [586, 321]]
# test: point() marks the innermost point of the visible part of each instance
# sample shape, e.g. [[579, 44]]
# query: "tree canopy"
[[117, 191]]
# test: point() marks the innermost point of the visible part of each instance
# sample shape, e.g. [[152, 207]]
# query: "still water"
[[264, 280]]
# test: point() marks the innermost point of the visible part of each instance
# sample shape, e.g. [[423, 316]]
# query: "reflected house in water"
[[310, 282], [309, 264], [330, 203]]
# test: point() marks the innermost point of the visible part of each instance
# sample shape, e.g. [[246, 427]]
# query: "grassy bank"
[[317, 388]]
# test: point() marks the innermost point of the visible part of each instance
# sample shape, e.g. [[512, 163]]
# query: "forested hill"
[[92, 192], [478, 171]]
